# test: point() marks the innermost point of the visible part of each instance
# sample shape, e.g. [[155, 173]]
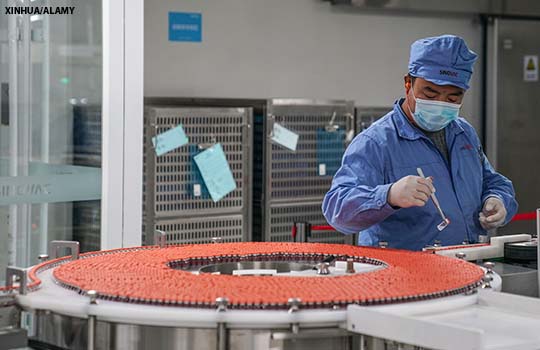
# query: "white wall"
[[291, 48]]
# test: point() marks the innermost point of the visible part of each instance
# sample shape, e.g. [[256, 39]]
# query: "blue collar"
[[406, 130]]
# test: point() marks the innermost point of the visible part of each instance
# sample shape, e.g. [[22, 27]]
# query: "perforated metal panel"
[[169, 179], [282, 217], [365, 116], [295, 182], [296, 176], [201, 230]]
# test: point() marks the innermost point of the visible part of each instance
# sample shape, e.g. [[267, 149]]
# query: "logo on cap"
[[448, 72]]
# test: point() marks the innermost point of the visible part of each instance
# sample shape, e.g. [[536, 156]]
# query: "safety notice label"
[[530, 68]]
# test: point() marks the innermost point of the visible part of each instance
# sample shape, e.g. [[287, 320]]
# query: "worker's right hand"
[[410, 191]]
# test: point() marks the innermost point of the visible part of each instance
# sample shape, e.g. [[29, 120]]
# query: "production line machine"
[[265, 296], [514, 258]]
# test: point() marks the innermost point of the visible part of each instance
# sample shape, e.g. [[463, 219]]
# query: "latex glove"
[[493, 214], [410, 191]]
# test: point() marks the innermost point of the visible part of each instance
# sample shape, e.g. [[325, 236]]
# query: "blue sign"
[[185, 26]]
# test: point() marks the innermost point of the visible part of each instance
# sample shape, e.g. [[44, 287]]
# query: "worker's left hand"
[[493, 214]]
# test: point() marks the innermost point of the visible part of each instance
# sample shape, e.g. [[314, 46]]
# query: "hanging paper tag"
[[169, 140], [322, 169], [215, 172], [284, 137], [197, 190]]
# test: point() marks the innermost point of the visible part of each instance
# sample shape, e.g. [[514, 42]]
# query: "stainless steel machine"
[[271, 296], [513, 106], [292, 184], [176, 199]]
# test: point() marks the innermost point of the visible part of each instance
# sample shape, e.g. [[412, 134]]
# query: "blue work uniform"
[[393, 148]]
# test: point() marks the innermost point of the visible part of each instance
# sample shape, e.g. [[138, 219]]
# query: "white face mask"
[[434, 115]]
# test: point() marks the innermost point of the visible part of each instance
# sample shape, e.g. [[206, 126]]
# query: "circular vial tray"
[[164, 276]]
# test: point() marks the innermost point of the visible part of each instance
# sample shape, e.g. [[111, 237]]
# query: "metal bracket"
[[22, 276], [294, 306], [303, 231], [207, 145], [350, 266], [461, 255], [331, 127], [489, 267], [55, 246], [92, 295], [222, 303], [42, 258], [271, 122], [323, 268], [160, 238], [92, 321], [486, 281]]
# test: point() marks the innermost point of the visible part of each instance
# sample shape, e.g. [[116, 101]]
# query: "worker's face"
[[423, 89]]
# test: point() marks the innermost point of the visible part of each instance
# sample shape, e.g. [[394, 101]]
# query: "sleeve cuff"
[[494, 196], [381, 199]]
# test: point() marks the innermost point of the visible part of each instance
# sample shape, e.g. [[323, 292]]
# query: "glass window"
[[50, 130]]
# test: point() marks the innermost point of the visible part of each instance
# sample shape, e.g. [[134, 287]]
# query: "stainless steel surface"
[[350, 266], [279, 266], [171, 173], [43, 258], [171, 202], [11, 334], [294, 176], [20, 274], [445, 221], [513, 106], [160, 238], [517, 279], [222, 336], [231, 228], [93, 295], [57, 249], [323, 268], [530, 8], [217, 240], [301, 231], [13, 338], [91, 344], [279, 219], [489, 267], [486, 281], [10, 316], [365, 116], [71, 333], [291, 185]]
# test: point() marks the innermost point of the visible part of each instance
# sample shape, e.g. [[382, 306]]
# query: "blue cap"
[[442, 60]]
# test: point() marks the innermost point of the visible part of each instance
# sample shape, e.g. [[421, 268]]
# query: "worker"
[[377, 191]]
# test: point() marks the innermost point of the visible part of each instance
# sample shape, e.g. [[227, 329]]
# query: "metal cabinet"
[[175, 197], [290, 185], [513, 106], [365, 116]]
